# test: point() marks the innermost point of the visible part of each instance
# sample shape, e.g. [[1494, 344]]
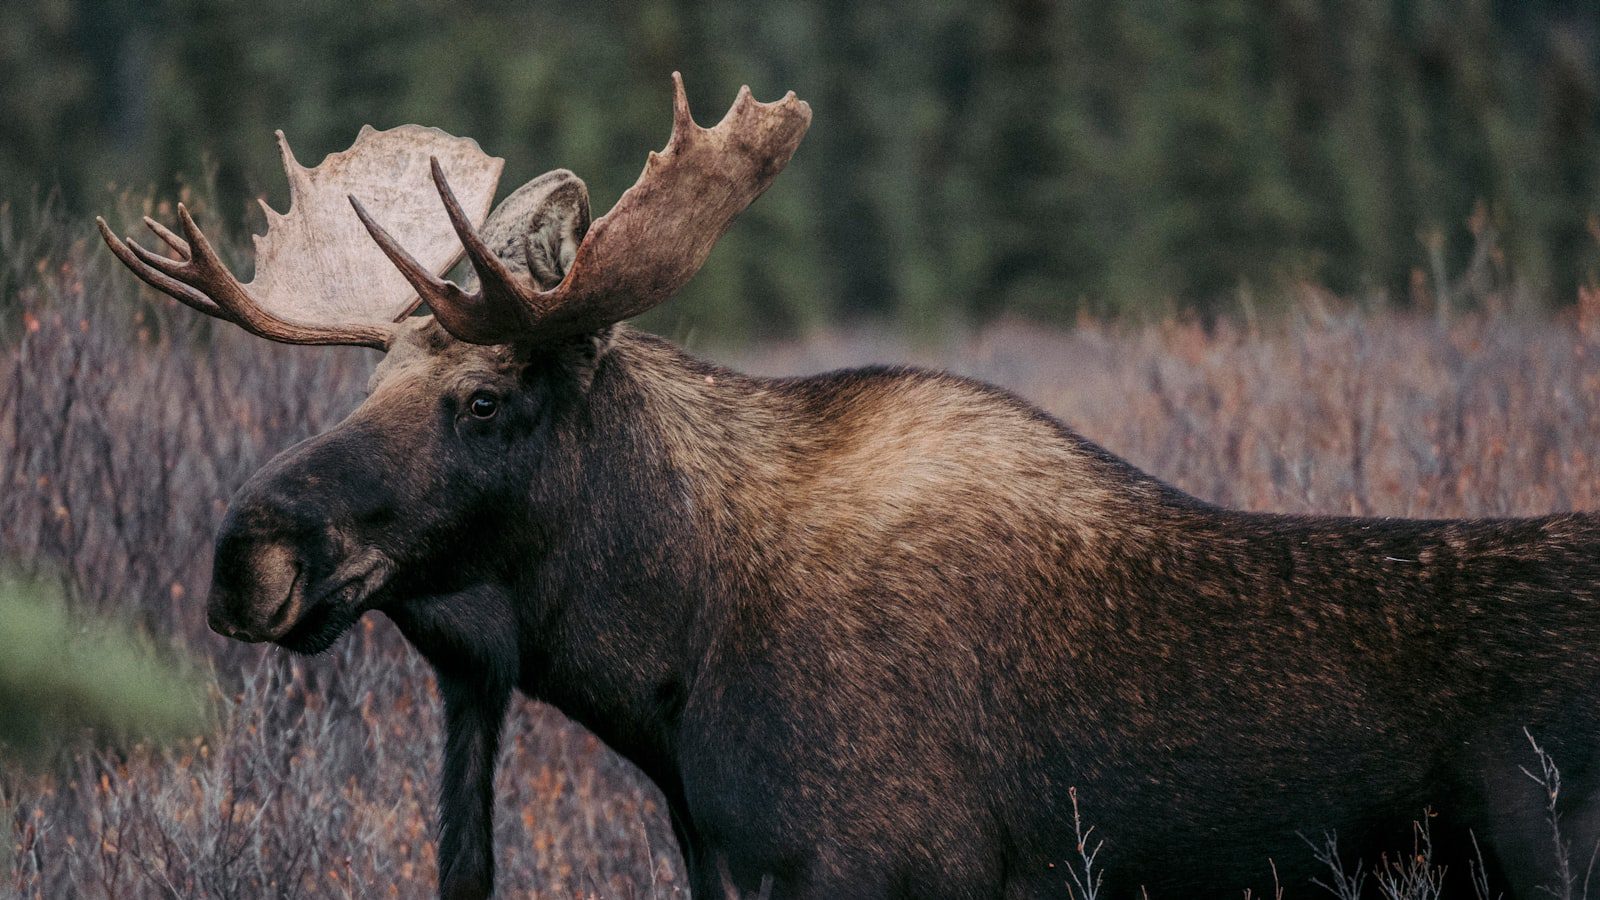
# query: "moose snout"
[[286, 540], [258, 571], [256, 591]]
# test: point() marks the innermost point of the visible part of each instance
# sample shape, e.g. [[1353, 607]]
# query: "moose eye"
[[483, 406]]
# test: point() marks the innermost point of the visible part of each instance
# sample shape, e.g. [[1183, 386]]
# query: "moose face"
[[401, 497], [417, 491]]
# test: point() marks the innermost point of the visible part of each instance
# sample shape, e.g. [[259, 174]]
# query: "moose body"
[[868, 630], [878, 633]]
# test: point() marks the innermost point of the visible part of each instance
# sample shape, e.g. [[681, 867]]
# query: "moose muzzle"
[[262, 593], [287, 553]]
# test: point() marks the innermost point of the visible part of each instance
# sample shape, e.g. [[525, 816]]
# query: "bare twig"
[[1346, 885], [1549, 780], [1085, 885]]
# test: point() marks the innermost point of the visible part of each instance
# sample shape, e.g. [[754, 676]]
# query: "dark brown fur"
[[868, 631]]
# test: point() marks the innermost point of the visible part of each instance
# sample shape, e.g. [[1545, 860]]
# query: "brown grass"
[[125, 424]]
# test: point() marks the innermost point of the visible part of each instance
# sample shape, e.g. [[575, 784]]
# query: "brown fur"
[[869, 630]]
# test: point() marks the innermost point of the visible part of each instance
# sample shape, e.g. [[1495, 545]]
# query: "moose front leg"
[[473, 714], [470, 638]]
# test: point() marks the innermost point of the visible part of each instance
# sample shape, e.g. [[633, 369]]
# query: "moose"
[[874, 633]]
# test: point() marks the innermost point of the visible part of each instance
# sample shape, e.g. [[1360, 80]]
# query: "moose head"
[[407, 495]]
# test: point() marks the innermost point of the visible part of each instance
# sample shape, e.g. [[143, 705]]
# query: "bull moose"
[[874, 633]]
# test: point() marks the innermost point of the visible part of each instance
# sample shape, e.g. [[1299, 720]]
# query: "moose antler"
[[636, 256], [317, 281]]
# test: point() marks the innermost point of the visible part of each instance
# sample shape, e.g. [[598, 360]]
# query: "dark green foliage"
[[968, 159], [60, 674]]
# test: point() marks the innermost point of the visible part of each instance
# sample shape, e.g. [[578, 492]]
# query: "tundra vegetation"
[[127, 422]]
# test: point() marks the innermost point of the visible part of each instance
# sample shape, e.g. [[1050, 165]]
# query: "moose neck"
[[657, 466], [696, 503]]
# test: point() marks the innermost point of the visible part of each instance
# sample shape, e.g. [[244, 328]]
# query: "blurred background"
[[967, 161]]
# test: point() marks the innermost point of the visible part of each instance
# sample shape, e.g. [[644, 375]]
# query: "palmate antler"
[[637, 255], [319, 282], [318, 279]]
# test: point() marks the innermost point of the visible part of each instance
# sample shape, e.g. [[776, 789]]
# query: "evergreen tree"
[[968, 160]]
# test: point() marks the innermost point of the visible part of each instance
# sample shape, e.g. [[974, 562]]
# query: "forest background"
[[969, 160]]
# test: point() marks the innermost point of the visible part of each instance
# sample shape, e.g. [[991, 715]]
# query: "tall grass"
[[126, 422]]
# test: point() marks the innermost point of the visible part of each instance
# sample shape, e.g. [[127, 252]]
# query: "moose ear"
[[581, 355], [539, 227]]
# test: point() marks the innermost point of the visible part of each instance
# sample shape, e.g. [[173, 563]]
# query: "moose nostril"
[[223, 623], [253, 588]]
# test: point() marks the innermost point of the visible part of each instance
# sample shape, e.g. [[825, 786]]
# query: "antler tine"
[[161, 281], [462, 314], [178, 244], [430, 287], [492, 273], [502, 303], [214, 277], [682, 119], [163, 264]]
